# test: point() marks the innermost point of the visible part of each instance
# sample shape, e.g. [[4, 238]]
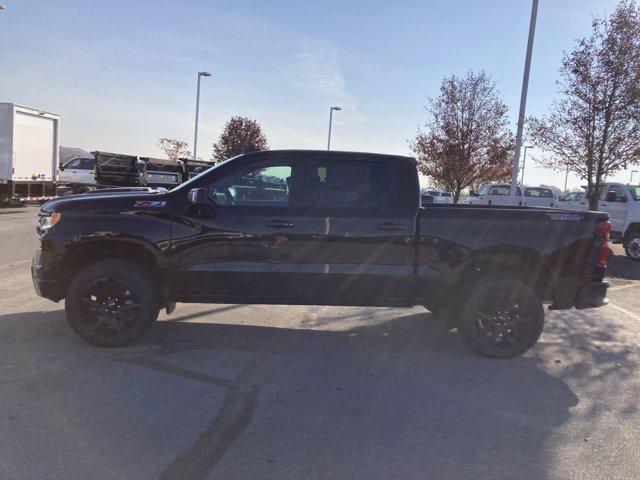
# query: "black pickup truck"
[[316, 227]]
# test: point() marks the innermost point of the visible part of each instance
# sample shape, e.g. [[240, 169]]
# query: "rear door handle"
[[279, 224], [391, 227]]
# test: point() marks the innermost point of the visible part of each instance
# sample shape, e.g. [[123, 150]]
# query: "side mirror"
[[198, 196], [61, 167]]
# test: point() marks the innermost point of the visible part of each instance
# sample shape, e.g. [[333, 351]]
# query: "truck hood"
[[112, 198]]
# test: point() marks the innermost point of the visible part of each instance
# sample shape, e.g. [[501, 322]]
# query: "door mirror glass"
[[197, 196]]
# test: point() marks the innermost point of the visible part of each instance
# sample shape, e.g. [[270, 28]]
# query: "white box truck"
[[28, 153]]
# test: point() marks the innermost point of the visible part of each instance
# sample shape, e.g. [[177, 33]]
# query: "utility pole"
[[523, 99], [195, 136], [524, 162], [331, 109]]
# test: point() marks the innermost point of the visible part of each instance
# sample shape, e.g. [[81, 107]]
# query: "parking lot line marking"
[[625, 311], [622, 287]]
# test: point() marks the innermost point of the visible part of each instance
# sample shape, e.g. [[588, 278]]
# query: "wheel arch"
[[632, 229], [525, 265], [82, 253]]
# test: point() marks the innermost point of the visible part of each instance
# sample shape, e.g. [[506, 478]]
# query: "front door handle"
[[279, 224], [391, 227]]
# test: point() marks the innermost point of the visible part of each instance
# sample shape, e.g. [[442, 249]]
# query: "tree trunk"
[[456, 194]]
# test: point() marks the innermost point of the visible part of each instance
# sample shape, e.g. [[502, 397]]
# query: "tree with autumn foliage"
[[594, 129], [240, 134], [174, 149], [466, 141]]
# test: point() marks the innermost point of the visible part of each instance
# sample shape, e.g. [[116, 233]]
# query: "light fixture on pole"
[[524, 161], [331, 109], [523, 99], [195, 137], [631, 178]]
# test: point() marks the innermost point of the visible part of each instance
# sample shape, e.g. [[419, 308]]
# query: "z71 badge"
[[149, 204]]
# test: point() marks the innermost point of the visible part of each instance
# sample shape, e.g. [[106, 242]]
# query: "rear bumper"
[[592, 295], [580, 294]]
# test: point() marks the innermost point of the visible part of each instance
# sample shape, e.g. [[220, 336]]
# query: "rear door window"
[[350, 184]]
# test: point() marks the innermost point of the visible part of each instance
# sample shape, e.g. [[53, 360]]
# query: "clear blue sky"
[[122, 74]]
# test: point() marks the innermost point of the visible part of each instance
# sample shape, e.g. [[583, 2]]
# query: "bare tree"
[[594, 129], [174, 149], [467, 141], [240, 135]]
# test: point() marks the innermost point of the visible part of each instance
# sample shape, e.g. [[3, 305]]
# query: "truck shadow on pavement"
[[400, 398]]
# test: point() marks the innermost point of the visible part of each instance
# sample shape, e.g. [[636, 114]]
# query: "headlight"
[[48, 221]]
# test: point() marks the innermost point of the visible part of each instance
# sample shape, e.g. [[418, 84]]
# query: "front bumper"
[[51, 289]]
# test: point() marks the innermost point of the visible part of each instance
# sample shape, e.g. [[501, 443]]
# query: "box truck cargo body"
[[28, 152]]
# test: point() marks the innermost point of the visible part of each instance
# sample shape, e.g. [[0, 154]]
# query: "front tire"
[[112, 303], [632, 247], [502, 318]]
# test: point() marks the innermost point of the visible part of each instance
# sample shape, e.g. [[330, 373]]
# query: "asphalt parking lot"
[[228, 391]]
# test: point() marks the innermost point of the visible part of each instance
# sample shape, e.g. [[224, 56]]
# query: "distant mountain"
[[67, 153]]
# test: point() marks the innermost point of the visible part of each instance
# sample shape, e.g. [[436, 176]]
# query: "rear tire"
[[502, 318], [632, 247], [112, 303]]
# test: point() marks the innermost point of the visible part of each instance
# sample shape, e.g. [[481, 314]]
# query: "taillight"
[[604, 229]]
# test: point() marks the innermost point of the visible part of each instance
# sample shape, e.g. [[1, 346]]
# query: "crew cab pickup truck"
[[622, 203], [316, 227]]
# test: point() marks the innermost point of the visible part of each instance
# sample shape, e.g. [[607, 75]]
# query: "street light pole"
[[566, 177], [331, 109], [195, 137], [523, 99], [524, 162], [631, 178]]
